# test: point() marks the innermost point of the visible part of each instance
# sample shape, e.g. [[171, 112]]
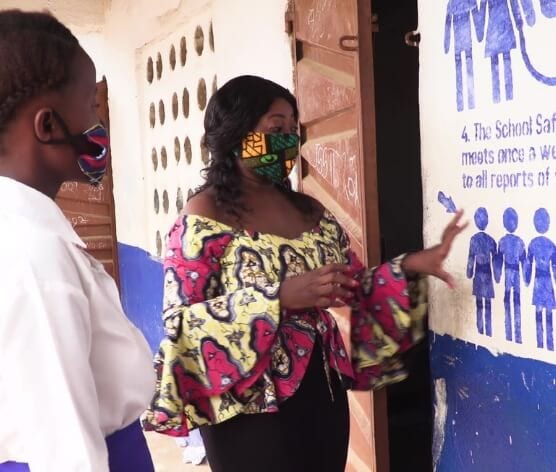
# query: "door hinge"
[[374, 23]]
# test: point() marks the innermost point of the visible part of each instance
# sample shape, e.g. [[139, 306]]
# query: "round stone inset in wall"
[[202, 94], [177, 149], [152, 115], [156, 202], [211, 37], [185, 102], [199, 40], [164, 157], [165, 202], [158, 244], [187, 150], [183, 51], [179, 200], [154, 158], [150, 70], [172, 57], [159, 66]]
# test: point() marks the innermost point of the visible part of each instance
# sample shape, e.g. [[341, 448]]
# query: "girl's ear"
[[43, 124]]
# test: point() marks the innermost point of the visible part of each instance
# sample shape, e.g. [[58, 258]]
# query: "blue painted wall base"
[[141, 287], [501, 409]]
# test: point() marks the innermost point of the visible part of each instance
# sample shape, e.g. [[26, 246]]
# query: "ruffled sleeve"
[[214, 341], [387, 319]]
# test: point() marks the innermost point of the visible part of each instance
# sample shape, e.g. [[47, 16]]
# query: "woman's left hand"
[[431, 261]]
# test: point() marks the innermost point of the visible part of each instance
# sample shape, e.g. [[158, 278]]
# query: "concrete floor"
[[167, 455]]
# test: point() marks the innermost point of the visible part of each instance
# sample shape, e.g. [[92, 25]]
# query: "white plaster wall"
[[93, 44], [249, 38], [133, 29], [443, 143], [79, 15], [129, 26], [172, 173]]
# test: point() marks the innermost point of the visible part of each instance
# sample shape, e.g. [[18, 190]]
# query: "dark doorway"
[[401, 213]]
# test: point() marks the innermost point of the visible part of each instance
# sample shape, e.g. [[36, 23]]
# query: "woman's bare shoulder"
[[202, 203]]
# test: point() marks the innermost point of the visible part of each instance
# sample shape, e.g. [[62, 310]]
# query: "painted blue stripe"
[[141, 288], [490, 400]]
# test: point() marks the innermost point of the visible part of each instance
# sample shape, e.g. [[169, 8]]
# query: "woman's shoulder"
[[317, 206], [198, 231], [202, 204], [199, 218]]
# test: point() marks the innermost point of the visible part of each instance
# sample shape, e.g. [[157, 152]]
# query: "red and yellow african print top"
[[230, 349]]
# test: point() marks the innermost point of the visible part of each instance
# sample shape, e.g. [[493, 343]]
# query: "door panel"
[[334, 86], [323, 22], [91, 209]]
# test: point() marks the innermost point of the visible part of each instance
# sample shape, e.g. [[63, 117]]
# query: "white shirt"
[[73, 368]]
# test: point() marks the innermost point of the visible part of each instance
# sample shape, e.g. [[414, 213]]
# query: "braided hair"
[[232, 112], [36, 54]]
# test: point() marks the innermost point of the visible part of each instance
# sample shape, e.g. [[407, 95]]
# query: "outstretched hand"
[[431, 261]]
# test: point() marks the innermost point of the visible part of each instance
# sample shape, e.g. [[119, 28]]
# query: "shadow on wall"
[[141, 289], [497, 412]]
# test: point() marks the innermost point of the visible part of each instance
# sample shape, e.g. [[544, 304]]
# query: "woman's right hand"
[[324, 287]]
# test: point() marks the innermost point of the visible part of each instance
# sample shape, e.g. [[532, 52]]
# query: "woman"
[[499, 17], [74, 373], [251, 354], [461, 15], [481, 261], [541, 254]]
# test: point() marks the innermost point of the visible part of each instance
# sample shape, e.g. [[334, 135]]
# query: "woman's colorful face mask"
[[270, 155]]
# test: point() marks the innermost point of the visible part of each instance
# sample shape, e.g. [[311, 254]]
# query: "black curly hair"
[[232, 112], [36, 55]]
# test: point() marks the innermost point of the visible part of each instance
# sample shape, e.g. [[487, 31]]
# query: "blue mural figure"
[[548, 8], [481, 260], [501, 39], [542, 255], [512, 258], [459, 16]]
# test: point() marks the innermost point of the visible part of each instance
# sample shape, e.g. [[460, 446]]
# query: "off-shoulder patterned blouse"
[[229, 347]]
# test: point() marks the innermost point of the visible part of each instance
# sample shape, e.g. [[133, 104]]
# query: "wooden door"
[[91, 209], [334, 87]]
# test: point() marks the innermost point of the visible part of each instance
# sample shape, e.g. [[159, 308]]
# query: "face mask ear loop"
[[68, 137]]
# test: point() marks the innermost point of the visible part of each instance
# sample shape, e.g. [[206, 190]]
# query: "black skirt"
[[309, 433]]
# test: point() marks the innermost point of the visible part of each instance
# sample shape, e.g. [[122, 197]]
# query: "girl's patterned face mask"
[[91, 148], [270, 155]]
